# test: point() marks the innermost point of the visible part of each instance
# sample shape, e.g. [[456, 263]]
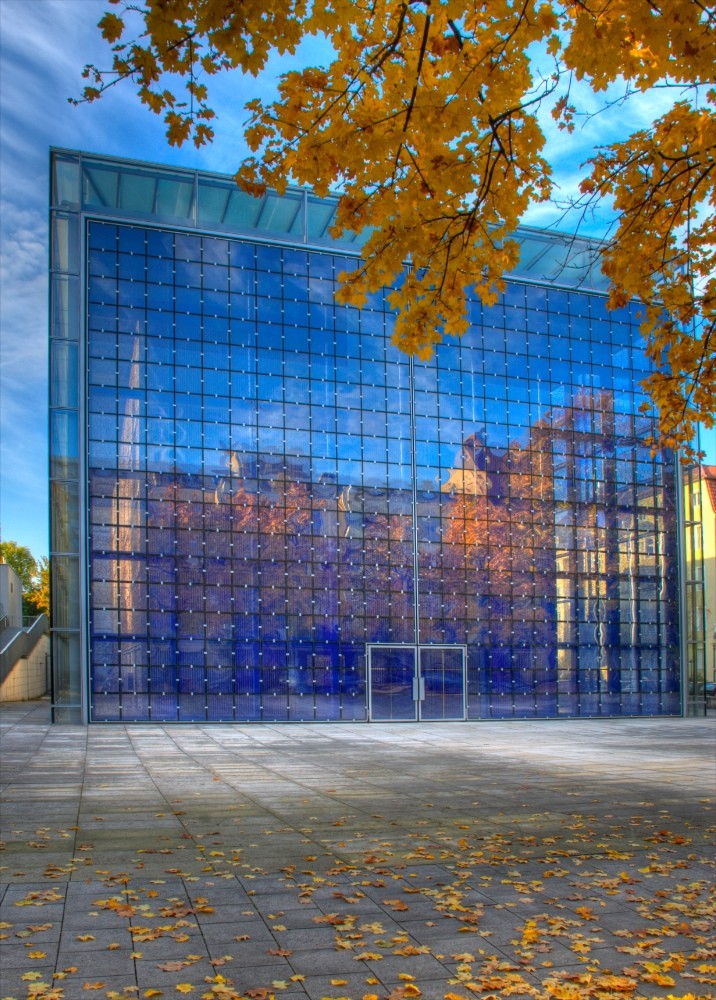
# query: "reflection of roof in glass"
[[212, 202]]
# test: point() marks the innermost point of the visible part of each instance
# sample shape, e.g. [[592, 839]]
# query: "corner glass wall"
[[272, 488], [287, 519], [67, 687]]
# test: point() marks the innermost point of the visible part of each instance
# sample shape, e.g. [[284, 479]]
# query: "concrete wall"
[[28, 678], [10, 595]]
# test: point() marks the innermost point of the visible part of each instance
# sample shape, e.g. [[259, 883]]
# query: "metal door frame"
[[451, 646], [369, 675], [418, 680]]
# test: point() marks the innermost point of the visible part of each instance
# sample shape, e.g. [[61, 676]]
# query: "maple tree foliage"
[[429, 116]]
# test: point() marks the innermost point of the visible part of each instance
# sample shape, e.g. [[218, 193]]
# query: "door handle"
[[418, 689]]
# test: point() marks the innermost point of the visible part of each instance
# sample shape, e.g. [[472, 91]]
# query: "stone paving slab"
[[521, 859]]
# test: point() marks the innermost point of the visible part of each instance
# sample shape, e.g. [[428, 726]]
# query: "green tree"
[[428, 116], [22, 561], [34, 575]]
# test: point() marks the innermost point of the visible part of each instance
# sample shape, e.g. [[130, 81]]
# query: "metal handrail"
[[19, 642]]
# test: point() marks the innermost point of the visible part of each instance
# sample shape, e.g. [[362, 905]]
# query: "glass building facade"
[[262, 511]]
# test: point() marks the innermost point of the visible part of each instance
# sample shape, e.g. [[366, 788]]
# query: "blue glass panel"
[[268, 258], [320, 265], [160, 297], [102, 236], [105, 708], [188, 300], [102, 264]]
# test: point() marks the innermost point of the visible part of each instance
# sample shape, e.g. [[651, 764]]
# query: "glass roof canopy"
[[197, 200]]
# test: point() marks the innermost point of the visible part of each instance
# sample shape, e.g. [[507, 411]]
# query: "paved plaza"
[[465, 860]]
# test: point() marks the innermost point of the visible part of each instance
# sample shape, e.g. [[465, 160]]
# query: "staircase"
[[24, 660]]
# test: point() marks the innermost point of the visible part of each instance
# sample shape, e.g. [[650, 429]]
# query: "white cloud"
[[23, 378], [43, 46]]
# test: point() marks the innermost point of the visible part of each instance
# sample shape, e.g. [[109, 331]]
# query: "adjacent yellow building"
[[700, 578]]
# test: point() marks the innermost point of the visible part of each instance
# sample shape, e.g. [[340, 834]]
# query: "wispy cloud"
[[40, 66], [602, 119], [43, 46]]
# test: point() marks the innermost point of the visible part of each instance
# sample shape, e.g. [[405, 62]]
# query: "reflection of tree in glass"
[[388, 570], [496, 507], [498, 535], [287, 510]]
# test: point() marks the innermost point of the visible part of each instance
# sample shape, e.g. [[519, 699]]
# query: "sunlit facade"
[[699, 584], [262, 511]]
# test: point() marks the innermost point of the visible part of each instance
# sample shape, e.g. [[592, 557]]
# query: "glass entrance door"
[[393, 686], [442, 682], [409, 683]]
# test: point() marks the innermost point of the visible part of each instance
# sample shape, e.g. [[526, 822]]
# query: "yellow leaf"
[[111, 27], [580, 947], [183, 987]]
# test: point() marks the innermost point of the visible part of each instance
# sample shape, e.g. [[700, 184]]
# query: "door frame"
[[418, 680]]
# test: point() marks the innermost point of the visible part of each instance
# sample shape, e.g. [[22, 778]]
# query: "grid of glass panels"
[[271, 487]]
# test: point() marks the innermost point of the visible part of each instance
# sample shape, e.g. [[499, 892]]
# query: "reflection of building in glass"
[[288, 519]]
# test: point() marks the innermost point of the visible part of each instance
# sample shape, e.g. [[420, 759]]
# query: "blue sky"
[[43, 46]]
